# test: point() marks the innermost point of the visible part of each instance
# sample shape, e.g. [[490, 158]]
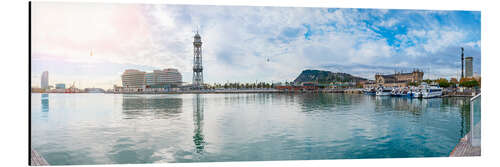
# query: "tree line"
[[238, 85], [443, 82]]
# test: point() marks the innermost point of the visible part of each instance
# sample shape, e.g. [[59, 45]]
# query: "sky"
[[245, 43]]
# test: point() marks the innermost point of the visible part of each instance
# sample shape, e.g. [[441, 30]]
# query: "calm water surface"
[[116, 128]]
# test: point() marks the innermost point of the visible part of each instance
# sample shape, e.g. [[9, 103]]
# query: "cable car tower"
[[197, 63]]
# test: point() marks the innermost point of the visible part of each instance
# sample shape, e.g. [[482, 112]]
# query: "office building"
[[132, 78], [163, 78], [468, 67], [173, 76], [45, 80]]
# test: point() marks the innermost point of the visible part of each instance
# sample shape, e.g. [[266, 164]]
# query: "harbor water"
[[97, 128]]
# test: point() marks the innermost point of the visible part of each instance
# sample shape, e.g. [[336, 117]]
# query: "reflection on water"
[[157, 107], [322, 102], [410, 105], [115, 128], [198, 123], [464, 110], [45, 102]]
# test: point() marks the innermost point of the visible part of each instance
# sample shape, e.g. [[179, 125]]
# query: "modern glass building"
[[45, 80], [468, 67]]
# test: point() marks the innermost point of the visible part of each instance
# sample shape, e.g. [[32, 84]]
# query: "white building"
[[152, 77], [45, 80], [158, 80], [173, 76], [132, 78], [170, 76]]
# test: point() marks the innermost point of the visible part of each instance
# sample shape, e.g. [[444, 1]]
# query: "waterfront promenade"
[[470, 144], [465, 149], [236, 91], [36, 159], [233, 91]]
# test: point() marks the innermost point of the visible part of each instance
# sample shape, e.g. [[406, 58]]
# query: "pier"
[[37, 159], [470, 144], [465, 149]]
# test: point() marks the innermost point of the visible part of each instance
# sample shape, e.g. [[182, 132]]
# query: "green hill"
[[325, 77]]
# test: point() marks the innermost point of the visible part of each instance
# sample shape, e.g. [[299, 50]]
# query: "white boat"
[[426, 91], [399, 92], [370, 91], [432, 91], [382, 91], [417, 93]]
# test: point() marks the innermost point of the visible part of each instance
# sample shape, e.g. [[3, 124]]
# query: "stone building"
[[399, 79]]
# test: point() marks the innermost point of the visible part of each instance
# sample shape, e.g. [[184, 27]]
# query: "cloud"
[[251, 43], [388, 23]]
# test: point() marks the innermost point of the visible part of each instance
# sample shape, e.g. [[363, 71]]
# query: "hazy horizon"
[[244, 43]]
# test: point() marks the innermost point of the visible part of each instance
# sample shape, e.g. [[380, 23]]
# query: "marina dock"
[[37, 159], [465, 149], [470, 144]]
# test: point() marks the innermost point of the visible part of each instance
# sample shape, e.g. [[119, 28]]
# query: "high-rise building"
[[468, 67], [45, 80], [197, 63], [132, 78]]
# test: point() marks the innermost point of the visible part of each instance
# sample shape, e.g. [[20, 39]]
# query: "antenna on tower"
[[197, 29]]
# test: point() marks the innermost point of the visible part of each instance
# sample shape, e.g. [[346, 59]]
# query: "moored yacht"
[[383, 91], [370, 91], [432, 91], [428, 91]]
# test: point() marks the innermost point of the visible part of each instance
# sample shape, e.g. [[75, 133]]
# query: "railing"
[[475, 120]]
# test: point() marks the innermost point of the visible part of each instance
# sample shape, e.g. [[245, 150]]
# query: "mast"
[[462, 74]]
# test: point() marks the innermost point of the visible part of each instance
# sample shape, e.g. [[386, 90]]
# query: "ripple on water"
[[229, 127]]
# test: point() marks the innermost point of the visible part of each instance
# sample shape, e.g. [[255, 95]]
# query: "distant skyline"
[[91, 44]]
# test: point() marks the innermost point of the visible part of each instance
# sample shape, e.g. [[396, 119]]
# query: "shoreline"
[[241, 92]]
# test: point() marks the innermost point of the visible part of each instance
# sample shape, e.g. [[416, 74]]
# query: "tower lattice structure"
[[197, 63]]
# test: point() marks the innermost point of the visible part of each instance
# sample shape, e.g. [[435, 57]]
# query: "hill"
[[325, 77]]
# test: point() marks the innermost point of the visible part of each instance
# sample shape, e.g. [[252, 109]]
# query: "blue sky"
[[238, 41]]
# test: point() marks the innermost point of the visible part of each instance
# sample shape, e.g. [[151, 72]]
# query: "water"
[[117, 129]]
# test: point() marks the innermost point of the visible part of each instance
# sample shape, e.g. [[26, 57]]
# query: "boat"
[[432, 91], [370, 91], [398, 92], [383, 91], [428, 91], [410, 92]]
